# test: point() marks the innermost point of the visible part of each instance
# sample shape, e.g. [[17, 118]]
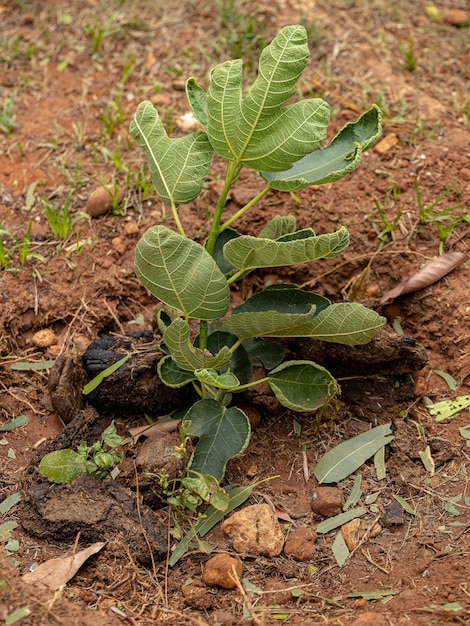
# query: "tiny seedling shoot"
[[206, 344]]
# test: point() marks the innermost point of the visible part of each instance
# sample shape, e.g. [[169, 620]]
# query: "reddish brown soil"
[[72, 107]]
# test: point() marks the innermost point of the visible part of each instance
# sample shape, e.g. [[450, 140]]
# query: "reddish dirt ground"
[[74, 73]]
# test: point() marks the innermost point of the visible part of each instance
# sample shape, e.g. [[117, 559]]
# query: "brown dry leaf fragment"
[[57, 572], [429, 275]]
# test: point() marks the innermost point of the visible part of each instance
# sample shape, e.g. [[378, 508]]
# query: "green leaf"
[[302, 385], [340, 157], [247, 253], [179, 166], [240, 364], [409, 509], [186, 356], [212, 516], [278, 226], [373, 595], [172, 375], [347, 457], [356, 493], [182, 274], [347, 323], [17, 615], [223, 434], [451, 382], [227, 380], [24, 366], [218, 254], [258, 131], [283, 298], [98, 379], [340, 550], [10, 502], [449, 408], [379, 464], [62, 466], [17, 422], [267, 352], [339, 520], [197, 99]]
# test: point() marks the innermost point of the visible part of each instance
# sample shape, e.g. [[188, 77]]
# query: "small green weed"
[[100, 459], [7, 116], [409, 58], [444, 220], [61, 221]]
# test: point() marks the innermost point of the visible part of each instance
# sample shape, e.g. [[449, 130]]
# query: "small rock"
[[119, 244], [457, 17], [224, 618], [354, 531], [279, 594], [393, 515], [44, 338], [327, 501], [300, 544], [131, 228], [370, 619], [220, 571], [157, 453], [196, 596], [102, 199], [255, 530]]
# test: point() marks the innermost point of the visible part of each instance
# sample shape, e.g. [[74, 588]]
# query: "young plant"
[[7, 117], [279, 141], [445, 220], [61, 221], [99, 459]]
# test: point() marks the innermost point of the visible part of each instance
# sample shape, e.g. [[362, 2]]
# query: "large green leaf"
[[182, 274], [347, 457], [223, 434], [247, 253], [340, 157], [186, 356], [302, 385], [283, 298], [345, 322], [348, 323], [178, 166], [266, 323], [257, 130], [62, 466]]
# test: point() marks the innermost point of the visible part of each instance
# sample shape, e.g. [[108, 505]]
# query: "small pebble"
[[327, 501], [219, 571], [44, 338], [255, 530], [457, 17], [300, 544], [393, 515], [102, 199], [119, 244], [131, 228]]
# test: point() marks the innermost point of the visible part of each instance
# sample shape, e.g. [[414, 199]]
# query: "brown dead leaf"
[[427, 276], [57, 572]]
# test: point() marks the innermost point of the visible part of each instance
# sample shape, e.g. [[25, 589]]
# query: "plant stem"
[[244, 209], [177, 218], [233, 170], [232, 173]]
